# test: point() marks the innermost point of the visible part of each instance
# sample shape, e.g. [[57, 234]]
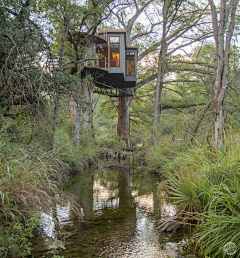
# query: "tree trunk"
[[77, 125], [158, 89], [222, 44], [62, 51], [123, 128], [199, 122], [87, 93], [73, 109], [56, 112], [77, 107]]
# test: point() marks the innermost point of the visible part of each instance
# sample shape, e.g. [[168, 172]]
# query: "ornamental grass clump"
[[218, 235], [26, 187], [24, 182], [209, 195]]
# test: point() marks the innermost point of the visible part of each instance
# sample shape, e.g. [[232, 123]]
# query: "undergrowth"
[[28, 181], [204, 184], [162, 157], [31, 179]]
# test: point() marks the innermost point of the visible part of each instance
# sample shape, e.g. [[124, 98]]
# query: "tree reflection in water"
[[121, 209]]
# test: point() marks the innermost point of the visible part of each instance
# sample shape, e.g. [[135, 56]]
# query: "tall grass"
[[25, 177], [30, 181], [76, 158], [205, 184], [163, 157], [221, 224]]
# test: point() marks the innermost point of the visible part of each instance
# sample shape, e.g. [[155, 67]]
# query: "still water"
[[121, 210]]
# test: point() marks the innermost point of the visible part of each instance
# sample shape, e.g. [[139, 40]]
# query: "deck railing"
[[103, 35], [101, 62]]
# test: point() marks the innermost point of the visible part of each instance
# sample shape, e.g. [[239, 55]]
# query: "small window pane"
[[130, 64], [114, 40]]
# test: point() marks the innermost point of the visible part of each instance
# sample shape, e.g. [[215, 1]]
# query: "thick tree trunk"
[[123, 128]]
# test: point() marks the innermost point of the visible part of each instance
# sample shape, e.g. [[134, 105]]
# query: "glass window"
[[103, 50], [114, 52], [130, 64]]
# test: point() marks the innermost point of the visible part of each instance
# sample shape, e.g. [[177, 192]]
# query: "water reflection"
[[121, 211], [57, 217]]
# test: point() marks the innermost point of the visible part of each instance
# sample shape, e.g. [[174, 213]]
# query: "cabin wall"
[[123, 50]]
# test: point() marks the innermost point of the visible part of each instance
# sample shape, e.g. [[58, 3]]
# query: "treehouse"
[[114, 67]]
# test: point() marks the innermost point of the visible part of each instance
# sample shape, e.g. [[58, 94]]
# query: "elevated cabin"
[[115, 67]]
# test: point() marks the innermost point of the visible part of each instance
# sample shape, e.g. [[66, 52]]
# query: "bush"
[[221, 222]]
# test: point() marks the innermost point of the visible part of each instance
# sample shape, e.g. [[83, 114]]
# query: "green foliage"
[[221, 224], [203, 157], [14, 237], [21, 78], [76, 158], [206, 183], [183, 192], [162, 157], [30, 178]]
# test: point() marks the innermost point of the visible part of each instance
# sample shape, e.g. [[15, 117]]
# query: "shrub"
[[221, 223]]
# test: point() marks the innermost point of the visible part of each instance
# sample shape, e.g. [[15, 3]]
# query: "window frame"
[[134, 54], [109, 51]]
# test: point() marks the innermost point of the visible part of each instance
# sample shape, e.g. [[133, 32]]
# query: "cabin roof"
[[112, 31], [82, 35]]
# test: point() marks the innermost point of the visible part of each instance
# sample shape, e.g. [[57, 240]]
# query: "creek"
[[121, 211]]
